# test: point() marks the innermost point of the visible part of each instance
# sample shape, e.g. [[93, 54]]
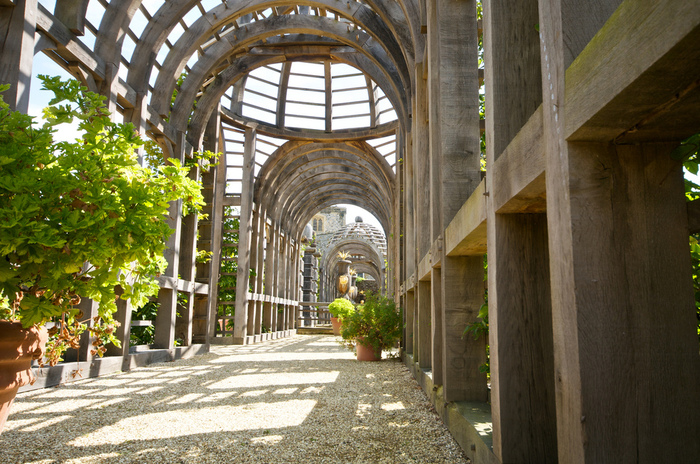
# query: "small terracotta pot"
[[366, 353], [335, 322], [18, 347]]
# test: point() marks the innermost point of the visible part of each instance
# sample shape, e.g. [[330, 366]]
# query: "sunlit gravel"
[[297, 400]]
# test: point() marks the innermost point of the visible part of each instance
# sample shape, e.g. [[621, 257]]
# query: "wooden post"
[[522, 360], [268, 316], [453, 85], [436, 345], [625, 341], [17, 27], [409, 315], [240, 327], [423, 304]]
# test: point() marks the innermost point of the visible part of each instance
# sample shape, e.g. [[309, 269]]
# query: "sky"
[[354, 211]]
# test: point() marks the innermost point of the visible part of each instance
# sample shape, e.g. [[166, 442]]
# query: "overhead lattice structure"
[[573, 108]]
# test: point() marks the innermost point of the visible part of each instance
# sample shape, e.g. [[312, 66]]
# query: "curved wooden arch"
[[356, 246], [299, 176], [386, 21], [204, 27], [377, 64]]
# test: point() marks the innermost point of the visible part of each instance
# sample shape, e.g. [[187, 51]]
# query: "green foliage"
[[695, 258], [341, 308], [144, 335], [687, 153], [80, 218], [376, 323], [480, 327]]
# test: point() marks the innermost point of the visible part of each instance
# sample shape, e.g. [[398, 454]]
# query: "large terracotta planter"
[[366, 353], [18, 347], [335, 322]]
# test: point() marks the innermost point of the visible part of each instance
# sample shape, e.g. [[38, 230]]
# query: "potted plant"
[[374, 326], [77, 219], [340, 308]]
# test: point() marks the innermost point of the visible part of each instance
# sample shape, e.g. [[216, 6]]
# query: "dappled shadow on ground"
[[303, 399]]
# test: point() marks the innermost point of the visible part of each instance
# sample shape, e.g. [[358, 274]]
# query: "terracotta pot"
[[18, 347], [366, 353], [335, 322]]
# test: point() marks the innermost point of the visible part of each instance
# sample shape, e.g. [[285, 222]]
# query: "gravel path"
[[296, 400]]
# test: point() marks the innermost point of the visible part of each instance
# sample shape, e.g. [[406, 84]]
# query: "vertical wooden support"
[[252, 304], [259, 269], [90, 309], [520, 320], [424, 324], [188, 271], [625, 346], [17, 27], [281, 262], [240, 327], [453, 85], [164, 336], [123, 332], [522, 360], [436, 343], [216, 217], [421, 163], [268, 317], [409, 314], [409, 226]]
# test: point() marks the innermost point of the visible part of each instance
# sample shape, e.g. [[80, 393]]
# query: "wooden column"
[[409, 314], [271, 245], [423, 303], [453, 85], [625, 341], [240, 327], [17, 27], [259, 268], [421, 163], [164, 336], [216, 233], [520, 319], [436, 341], [253, 247]]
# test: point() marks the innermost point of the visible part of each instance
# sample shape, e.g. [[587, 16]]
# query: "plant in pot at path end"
[[376, 324], [340, 308], [80, 219]]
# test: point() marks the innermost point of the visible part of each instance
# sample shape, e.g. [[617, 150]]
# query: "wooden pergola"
[[581, 210]]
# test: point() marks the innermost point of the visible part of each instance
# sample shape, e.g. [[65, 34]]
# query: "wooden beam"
[[70, 46], [517, 176], [466, 234], [622, 81], [17, 51]]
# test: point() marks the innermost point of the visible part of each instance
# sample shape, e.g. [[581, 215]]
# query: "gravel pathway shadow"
[[297, 400]]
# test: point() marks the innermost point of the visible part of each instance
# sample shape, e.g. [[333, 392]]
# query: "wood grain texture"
[[466, 234], [17, 26], [240, 328], [512, 61], [462, 295], [424, 299], [521, 346], [437, 342], [621, 77], [517, 179]]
